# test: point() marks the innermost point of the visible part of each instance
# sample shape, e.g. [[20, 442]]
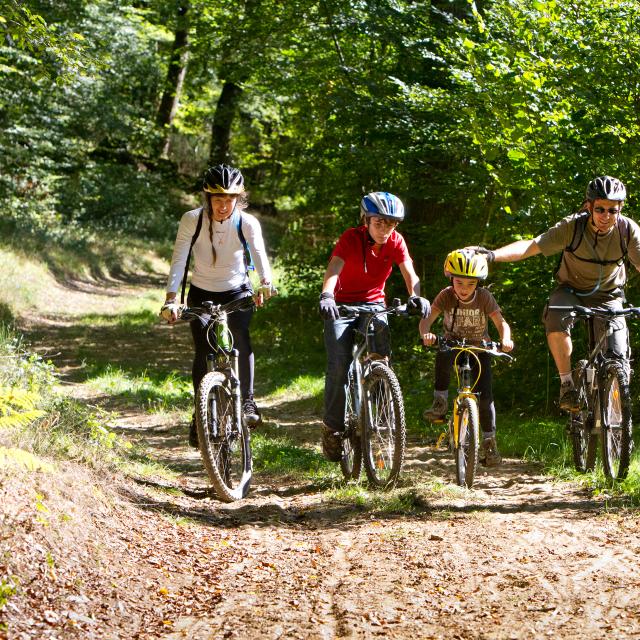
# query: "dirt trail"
[[517, 557]]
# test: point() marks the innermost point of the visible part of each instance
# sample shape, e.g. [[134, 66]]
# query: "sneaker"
[[331, 444], [251, 413], [488, 453], [569, 397], [193, 433], [438, 411]]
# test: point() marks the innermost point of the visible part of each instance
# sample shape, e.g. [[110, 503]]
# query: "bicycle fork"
[[456, 415]]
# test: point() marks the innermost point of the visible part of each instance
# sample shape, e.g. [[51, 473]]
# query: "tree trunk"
[[222, 121], [175, 75]]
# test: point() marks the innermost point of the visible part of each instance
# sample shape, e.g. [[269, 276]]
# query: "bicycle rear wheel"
[[466, 453], [583, 443], [384, 436], [616, 423], [224, 439], [351, 461]]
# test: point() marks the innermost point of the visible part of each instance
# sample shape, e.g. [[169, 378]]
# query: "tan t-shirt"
[[584, 276], [466, 320]]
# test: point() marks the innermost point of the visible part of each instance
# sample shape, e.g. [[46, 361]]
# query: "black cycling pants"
[[238, 325]]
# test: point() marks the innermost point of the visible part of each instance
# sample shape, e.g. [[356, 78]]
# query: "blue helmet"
[[383, 205]]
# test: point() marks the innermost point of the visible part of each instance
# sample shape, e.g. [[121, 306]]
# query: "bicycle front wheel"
[[466, 451], [616, 423], [384, 436], [223, 438], [351, 461], [583, 443]]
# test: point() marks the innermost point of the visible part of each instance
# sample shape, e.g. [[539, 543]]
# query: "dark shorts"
[[559, 321]]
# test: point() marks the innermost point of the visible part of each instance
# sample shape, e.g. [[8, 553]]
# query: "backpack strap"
[[624, 233], [248, 262], [193, 241], [578, 232], [624, 230]]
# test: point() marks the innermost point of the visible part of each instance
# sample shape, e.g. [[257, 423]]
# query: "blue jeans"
[[338, 342]]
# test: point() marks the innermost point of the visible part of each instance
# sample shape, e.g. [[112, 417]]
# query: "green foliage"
[[8, 588], [282, 456]]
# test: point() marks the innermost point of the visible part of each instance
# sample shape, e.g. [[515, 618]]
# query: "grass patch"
[[401, 500], [280, 455], [154, 391]]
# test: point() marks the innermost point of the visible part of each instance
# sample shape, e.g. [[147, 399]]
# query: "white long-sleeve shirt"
[[229, 271]]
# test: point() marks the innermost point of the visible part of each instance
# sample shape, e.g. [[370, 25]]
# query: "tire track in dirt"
[[517, 557]]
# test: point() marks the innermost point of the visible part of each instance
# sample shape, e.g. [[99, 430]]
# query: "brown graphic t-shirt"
[[466, 320]]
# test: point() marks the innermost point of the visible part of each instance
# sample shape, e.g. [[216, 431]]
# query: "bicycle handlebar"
[[490, 347], [578, 311], [208, 309], [355, 311]]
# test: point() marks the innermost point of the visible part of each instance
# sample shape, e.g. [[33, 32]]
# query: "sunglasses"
[[612, 211]]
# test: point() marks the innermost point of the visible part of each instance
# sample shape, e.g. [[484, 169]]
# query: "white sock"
[[566, 377], [441, 394]]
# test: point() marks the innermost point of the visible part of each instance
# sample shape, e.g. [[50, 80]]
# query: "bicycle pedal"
[[443, 441]]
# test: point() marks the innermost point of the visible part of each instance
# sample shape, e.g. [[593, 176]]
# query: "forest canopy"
[[487, 118]]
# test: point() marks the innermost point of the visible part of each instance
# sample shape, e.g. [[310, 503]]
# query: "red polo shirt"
[[354, 283]]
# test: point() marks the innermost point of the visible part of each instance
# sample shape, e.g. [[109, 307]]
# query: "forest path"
[[519, 556]]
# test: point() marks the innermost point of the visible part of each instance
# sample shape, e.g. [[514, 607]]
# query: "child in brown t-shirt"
[[467, 309]]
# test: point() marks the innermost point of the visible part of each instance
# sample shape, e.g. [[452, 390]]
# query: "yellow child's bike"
[[464, 423]]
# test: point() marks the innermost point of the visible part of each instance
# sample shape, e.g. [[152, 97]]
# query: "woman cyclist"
[[358, 269], [218, 234]]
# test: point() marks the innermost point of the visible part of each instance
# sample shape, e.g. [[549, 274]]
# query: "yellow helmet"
[[466, 263]]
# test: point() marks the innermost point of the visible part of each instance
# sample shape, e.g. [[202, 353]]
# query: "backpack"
[[248, 262], [624, 232]]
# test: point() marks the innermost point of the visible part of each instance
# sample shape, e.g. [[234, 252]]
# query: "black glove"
[[328, 309], [487, 253], [418, 306]]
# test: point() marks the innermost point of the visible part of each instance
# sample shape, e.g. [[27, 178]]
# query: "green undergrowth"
[[40, 428]]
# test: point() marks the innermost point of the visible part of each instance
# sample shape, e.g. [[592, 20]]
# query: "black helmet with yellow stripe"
[[223, 179], [466, 263]]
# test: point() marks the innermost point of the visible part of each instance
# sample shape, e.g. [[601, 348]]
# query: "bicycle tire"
[[384, 434], [617, 425], [583, 442], [351, 460], [466, 452], [225, 448]]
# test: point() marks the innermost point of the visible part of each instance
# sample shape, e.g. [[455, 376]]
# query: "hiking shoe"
[[438, 410], [331, 444], [569, 397], [488, 454], [250, 412], [193, 433]]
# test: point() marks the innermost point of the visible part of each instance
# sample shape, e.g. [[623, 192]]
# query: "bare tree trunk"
[[175, 75], [222, 121]]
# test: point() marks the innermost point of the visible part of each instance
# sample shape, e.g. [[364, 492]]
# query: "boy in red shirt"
[[356, 275]]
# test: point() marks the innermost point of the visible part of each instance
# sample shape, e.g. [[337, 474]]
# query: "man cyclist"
[[595, 244], [358, 269]]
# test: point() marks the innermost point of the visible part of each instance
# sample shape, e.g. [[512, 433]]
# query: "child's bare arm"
[[504, 331], [424, 327]]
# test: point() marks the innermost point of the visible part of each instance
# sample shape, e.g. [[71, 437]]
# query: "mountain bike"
[[464, 423], [375, 429], [602, 381], [223, 436]]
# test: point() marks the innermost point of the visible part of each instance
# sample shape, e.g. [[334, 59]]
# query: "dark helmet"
[[606, 188], [383, 205], [223, 179]]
